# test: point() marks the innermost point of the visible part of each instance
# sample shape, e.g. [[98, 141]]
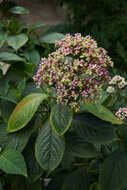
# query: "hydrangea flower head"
[[76, 71]]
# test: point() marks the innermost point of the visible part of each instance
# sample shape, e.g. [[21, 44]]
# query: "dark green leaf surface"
[[60, 118], [49, 148], [123, 132], [3, 136], [6, 108], [4, 86], [93, 129], [33, 168], [10, 96], [80, 148], [17, 140], [32, 56], [12, 162], [77, 180], [31, 88], [113, 173]]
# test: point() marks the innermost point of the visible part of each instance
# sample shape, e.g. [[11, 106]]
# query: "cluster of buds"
[[116, 82], [122, 113], [76, 71]]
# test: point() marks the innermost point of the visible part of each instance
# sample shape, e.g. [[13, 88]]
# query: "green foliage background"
[[43, 140], [105, 20]]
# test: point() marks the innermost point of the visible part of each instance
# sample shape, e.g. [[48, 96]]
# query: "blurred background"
[[104, 20]]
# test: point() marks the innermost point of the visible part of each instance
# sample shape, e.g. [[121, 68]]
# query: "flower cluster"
[[116, 82], [76, 70], [110, 89], [122, 113]]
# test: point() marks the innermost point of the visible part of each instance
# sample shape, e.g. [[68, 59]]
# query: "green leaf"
[[3, 136], [10, 96], [102, 112], [60, 118], [80, 148], [29, 70], [19, 10], [113, 173], [8, 99], [12, 162], [4, 86], [36, 26], [24, 111], [32, 56], [17, 41], [21, 86], [77, 180], [33, 168], [49, 148], [17, 140], [3, 37], [31, 88], [51, 38], [122, 131], [93, 129], [6, 108], [67, 160], [6, 56]]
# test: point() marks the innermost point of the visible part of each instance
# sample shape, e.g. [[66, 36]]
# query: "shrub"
[[84, 150], [21, 48]]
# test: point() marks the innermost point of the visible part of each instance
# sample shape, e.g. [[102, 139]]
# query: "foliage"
[[83, 150], [45, 144], [90, 148], [21, 49]]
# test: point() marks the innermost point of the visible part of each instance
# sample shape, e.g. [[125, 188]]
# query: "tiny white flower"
[[120, 81], [115, 79], [110, 89], [122, 84]]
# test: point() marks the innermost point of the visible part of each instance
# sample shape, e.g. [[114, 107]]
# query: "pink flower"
[[77, 70], [122, 113]]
